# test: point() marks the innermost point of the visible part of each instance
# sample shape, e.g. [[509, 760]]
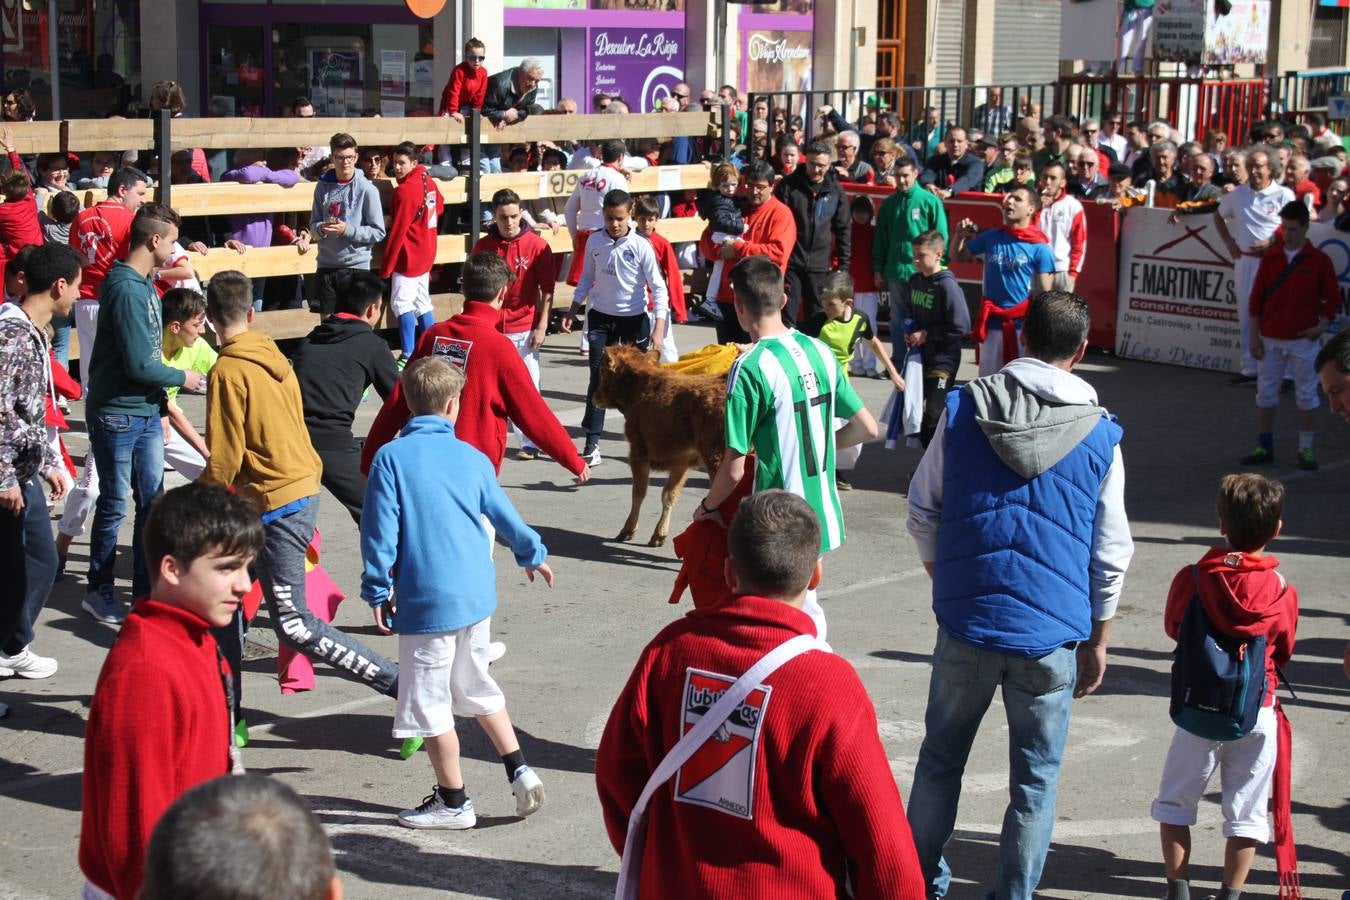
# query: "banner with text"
[[641, 65], [1193, 31]]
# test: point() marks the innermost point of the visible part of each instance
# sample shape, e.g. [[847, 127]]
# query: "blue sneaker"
[[104, 607]]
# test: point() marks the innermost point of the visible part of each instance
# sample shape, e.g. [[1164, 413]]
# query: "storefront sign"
[[1335, 244], [1177, 303], [774, 61], [642, 65], [1192, 31]]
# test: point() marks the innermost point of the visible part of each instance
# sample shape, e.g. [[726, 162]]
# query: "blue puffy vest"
[[1013, 555]]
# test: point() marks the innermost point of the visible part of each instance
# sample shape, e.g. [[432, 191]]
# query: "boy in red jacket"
[[410, 248], [1293, 300], [159, 722], [466, 90], [792, 796], [1244, 596], [529, 295], [646, 213]]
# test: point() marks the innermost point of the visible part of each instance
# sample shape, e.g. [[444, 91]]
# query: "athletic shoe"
[[6, 672], [1259, 457], [410, 747], [591, 455], [27, 664], [1242, 379], [529, 791], [1306, 461], [841, 483], [241, 734], [496, 650], [433, 813], [709, 309], [527, 454], [401, 363], [104, 607]]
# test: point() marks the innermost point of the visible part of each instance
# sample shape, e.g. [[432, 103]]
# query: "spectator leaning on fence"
[[956, 171], [510, 95], [347, 221]]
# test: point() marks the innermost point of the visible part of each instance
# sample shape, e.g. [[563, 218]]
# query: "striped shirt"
[[783, 397]]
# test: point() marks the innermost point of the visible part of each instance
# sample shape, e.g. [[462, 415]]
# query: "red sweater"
[[19, 227], [860, 263], [102, 234], [1244, 596], [670, 269], [416, 208], [466, 88], [794, 799], [158, 725], [497, 387], [1308, 292], [531, 261], [769, 231]]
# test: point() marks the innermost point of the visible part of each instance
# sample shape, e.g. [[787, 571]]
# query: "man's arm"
[[1112, 548], [971, 176], [925, 498], [528, 411], [843, 233], [370, 229], [383, 371], [1221, 227], [133, 331], [571, 209], [179, 421], [1077, 244], [861, 426], [729, 474], [226, 412]]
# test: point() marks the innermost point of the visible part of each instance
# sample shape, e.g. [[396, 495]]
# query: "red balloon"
[[425, 9]]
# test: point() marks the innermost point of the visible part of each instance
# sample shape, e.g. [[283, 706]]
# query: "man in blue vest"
[[1018, 511]]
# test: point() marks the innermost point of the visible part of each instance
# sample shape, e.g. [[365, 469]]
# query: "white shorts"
[[1246, 767], [1295, 357], [410, 295], [443, 675]]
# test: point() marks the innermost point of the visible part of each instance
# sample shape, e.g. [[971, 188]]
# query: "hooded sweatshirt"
[[127, 372], [824, 223], [937, 306], [335, 364], [25, 385], [1244, 597], [356, 202], [904, 216], [254, 425], [1004, 506], [415, 213], [531, 261]]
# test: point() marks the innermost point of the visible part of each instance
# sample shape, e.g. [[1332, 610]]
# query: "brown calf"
[[673, 422]]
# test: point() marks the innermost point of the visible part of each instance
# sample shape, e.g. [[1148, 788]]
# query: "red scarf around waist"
[[1007, 319]]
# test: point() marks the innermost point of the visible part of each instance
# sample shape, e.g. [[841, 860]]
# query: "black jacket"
[[824, 222], [501, 96], [335, 364], [936, 305], [957, 176]]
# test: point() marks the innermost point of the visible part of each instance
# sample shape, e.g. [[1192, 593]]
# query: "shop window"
[[347, 70], [99, 48], [235, 76]]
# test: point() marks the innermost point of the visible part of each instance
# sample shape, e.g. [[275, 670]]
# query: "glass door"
[[236, 70]]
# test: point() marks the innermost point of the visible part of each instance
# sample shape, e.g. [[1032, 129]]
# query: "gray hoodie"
[[356, 202], [1033, 414]]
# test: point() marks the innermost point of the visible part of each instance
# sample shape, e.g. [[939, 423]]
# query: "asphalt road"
[[571, 648]]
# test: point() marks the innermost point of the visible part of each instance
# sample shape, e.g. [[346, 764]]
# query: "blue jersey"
[[1009, 265]]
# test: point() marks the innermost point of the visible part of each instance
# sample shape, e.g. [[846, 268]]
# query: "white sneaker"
[[6, 672], [591, 457], [27, 664], [529, 791], [496, 650], [433, 813]]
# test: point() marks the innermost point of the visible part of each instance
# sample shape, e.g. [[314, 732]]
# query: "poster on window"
[[1193, 32], [642, 65], [777, 61]]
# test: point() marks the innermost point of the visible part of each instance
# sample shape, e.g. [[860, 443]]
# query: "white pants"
[[991, 351], [864, 361], [86, 328], [1244, 276], [443, 675], [1294, 357], [410, 295], [522, 341], [1134, 33], [1246, 767]]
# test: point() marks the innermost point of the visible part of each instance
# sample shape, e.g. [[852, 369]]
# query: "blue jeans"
[[61, 326], [129, 454], [1036, 696], [28, 559]]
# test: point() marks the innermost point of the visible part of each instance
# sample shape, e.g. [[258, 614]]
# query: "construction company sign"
[[1177, 302]]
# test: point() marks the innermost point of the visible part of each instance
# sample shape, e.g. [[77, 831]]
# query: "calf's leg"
[[669, 494], [641, 466]]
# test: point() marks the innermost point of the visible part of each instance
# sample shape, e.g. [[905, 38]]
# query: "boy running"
[[783, 397], [410, 251], [424, 539]]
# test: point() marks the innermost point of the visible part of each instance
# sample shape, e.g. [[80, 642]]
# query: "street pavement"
[[571, 648]]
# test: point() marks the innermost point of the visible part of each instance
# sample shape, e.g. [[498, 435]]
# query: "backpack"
[[1218, 680]]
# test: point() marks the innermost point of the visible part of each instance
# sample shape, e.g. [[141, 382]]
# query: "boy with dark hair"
[[159, 721], [127, 382], [336, 364], [27, 457], [934, 318], [1242, 595], [585, 209], [240, 837], [1294, 298], [253, 428], [529, 294], [346, 220], [62, 210], [646, 213], [432, 510], [816, 822], [618, 271], [415, 212]]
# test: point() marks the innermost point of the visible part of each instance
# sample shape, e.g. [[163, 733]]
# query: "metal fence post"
[[474, 179], [164, 152]]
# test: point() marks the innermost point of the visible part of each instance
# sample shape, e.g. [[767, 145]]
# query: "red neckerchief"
[[350, 316], [1029, 234], [612, 166]]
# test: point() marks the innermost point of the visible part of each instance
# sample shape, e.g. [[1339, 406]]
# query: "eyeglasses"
[[1086, 163], [346, 157], [680, 96], [10, 101], [476, 58], [1091, 130]]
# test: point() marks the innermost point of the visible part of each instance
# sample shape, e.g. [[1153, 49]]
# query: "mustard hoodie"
[[255, 425]]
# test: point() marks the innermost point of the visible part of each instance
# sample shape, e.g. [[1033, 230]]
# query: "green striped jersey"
[[783, 397]]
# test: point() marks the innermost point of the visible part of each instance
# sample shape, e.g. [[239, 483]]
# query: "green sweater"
[[903, 217], [127, 374]]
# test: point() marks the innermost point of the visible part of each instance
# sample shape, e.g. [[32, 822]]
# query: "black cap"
[[1119, 171]]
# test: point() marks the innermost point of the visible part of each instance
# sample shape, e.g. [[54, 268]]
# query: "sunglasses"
[[476, 58], [680, 96]]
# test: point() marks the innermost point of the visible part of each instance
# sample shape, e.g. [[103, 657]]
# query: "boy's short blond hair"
[[1251, 506], [429, 384]]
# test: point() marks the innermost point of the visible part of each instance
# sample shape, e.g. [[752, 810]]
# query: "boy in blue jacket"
[[422, 489]]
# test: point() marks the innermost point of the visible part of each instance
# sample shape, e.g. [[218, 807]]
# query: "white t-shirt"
[[1254, 215]]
